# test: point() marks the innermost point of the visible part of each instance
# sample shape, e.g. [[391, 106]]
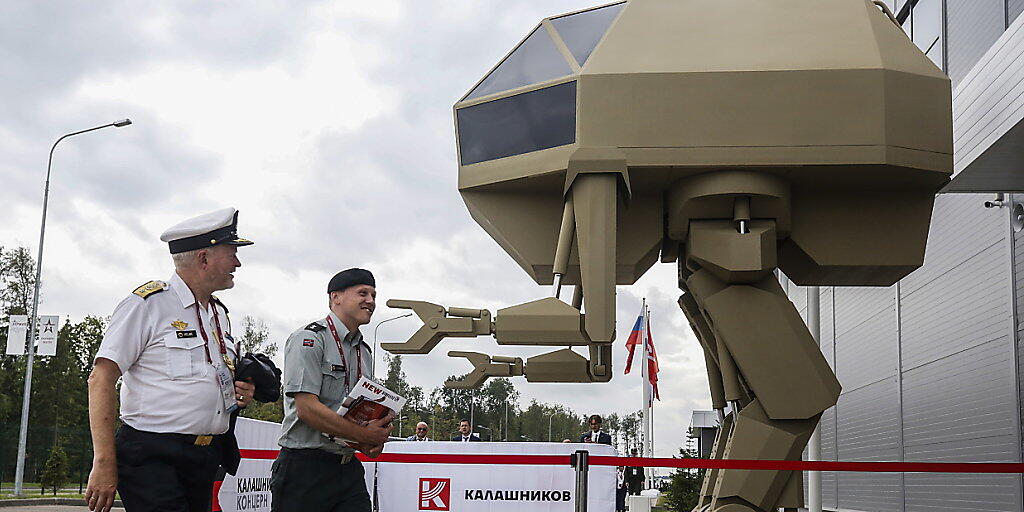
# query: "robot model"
[[733, 138]]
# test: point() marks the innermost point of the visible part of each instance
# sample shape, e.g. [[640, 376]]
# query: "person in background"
[[422, 429], [620, 489], [634, 478], [595, 435], [465, 433]]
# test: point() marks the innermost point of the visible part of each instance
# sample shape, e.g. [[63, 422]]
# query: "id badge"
[[227, 389]]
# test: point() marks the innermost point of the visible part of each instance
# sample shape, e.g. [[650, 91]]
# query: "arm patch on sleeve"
[[150, 288], [315, 327]]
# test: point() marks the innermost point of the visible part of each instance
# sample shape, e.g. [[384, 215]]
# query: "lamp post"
[[373, 366], [19, 476], [400, 420], [490, 436], [549, 426]]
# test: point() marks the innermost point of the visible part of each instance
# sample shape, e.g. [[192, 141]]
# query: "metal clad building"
[[931, 368]]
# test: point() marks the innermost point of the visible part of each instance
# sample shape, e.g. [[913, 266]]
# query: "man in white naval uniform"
[[170, 342]]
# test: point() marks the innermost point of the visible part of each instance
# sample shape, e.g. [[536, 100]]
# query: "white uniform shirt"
[[168, 385]]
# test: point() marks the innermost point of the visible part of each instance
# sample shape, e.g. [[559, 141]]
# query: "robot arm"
[[544, 322], [589, 218]]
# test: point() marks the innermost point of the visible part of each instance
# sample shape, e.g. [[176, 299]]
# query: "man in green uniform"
[[322, 362]]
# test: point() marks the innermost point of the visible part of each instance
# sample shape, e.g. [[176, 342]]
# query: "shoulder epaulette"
[[315, 327], [150, 288], [219, 303]]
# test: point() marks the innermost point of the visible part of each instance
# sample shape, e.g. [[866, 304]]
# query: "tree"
[[17, 283], [683, 488], [255, 336], [55, 474], [17, 280], [255, 339], [498, 396]]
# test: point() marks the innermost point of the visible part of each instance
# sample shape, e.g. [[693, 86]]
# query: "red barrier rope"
[[603, 460]]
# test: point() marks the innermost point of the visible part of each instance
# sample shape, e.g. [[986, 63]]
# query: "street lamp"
[[373, 367], [19, 477], [490, 436], [549, 426], [400, 420]]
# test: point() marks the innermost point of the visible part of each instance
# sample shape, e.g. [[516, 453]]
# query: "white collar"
[[184, 293]]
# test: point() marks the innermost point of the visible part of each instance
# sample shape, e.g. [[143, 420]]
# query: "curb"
[[49, 501]]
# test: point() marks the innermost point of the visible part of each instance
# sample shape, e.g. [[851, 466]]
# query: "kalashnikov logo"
[[435, 493]]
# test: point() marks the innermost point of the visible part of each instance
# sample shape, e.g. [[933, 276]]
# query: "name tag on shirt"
[[337, 368], [186, 334]]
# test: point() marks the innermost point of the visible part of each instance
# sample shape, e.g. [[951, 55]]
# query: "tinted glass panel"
[[536, 60], [526, 122], [582, 31]]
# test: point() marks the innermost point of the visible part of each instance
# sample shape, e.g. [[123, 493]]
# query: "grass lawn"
[[34, 495], [27, 485]]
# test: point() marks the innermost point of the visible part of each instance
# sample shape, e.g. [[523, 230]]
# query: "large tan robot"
[[733, 137]]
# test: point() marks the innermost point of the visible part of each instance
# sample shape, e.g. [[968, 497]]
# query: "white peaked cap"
[[207, 230]]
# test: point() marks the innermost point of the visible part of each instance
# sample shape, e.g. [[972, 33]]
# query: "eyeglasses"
[[422, 428]]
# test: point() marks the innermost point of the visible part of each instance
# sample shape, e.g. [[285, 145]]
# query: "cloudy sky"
[[328, 124]]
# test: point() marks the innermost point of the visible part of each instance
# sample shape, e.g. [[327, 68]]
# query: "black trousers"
[[164, 472], [313, 480]]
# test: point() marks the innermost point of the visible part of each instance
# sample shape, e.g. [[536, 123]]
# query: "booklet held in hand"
[[368, 401]]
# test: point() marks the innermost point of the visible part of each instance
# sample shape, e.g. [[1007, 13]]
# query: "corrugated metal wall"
[[927, 367], [959, 381], [1013, 8], [951, 327]]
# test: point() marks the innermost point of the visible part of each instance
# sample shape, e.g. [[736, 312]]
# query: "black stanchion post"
[[581, 461]]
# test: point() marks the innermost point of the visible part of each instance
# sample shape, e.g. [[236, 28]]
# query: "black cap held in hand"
[[350, 277]]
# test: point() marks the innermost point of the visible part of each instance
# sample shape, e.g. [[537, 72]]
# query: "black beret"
[[350, 277]]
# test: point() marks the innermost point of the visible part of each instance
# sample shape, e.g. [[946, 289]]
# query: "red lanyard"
[[206, 339], [341, 351]]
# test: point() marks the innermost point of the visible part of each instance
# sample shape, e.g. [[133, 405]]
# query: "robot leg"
[[791, 383]]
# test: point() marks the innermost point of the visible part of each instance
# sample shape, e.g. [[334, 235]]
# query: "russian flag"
[[651, 357], [634, 339]]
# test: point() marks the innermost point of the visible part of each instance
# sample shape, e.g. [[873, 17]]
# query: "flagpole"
[[650, 407], [646, 385]]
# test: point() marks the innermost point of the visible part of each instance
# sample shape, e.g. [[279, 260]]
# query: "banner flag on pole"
[[16, 334], [634, 339], [46, 330]]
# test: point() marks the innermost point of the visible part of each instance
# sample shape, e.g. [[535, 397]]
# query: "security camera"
[[997, 202]]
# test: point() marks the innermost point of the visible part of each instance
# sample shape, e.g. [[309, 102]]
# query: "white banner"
[[249, 489], [46, 335], [491, 488], [402, 487], [16, 334]]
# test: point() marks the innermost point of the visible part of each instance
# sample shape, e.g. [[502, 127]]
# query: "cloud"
[[328, 124]]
